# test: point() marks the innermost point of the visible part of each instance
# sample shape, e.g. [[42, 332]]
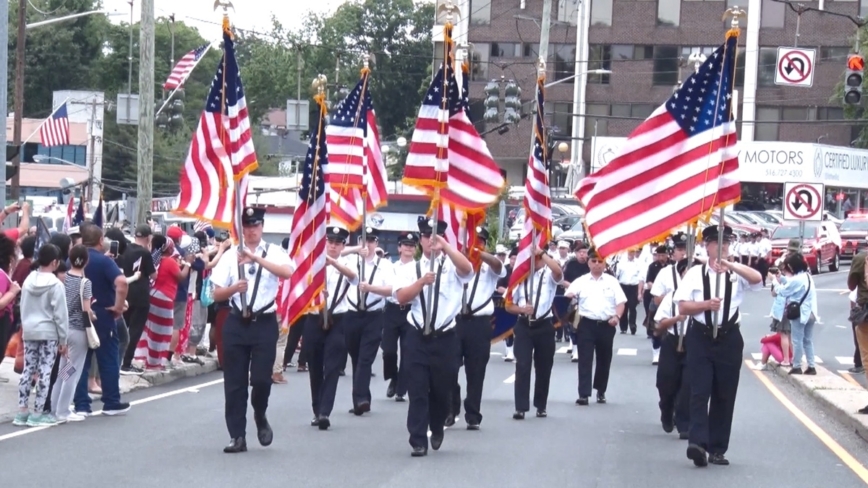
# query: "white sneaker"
[[760, 367], [655, 356], [575, 358], [75, 417], [509, 356]]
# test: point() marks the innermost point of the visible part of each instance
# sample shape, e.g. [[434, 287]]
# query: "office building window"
[[668, 13], [622, 51], [438, 55], [686, 51], [621, 110], [565, 60], [834, 53], [739, 68], [830, 113], [480, 12], [70, 154], [562, 119], [506, 50], [863, 8], [601, 13], [794, 114], [568, 11], [767, 119], [479, 64], [643, 52], [530, 50], [773, 14], [742, 4], [767, 66], [641, 110], [593, 125], [665, 65], [599, 57]]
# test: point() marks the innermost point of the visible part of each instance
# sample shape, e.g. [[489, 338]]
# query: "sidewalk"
[[9, 391], [840, 398]]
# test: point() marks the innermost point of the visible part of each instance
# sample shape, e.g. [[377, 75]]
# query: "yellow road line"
[[851, 379], [815, 429]]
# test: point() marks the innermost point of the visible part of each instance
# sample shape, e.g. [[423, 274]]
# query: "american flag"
[[301, 293], [447, 148], [70, 216], [356, 170], [99, 213], [66, 371], [43, 235], [185, 66], [537, 198], [55, 130], [201, 225], [222, 151], [676, 166], [78, 219], [461, 230]]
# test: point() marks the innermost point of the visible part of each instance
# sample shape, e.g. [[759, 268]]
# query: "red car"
[[854, 235], [821, 245]]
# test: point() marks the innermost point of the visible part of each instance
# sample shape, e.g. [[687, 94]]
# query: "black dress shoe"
[[342, 373], [697, 455], [314, 422], [718, 459], [796, 371], [324, 423], [373, 375], [236, 445], [263, 431], [400, 398], [472, 426], [667, 421], [450, 421], [601, 398], [390, 391], [811, 371], [541, 414], [419, 452], [684, 436], [518, 415], [436, 441], [582, 401]]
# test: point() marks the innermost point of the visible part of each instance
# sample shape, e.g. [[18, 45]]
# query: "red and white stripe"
[[181, 71], [55, 130]]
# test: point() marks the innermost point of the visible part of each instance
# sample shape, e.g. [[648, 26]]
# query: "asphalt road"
[[174, 436]]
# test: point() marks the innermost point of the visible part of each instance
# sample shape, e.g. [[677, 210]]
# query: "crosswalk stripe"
[[510, 380], [845, 360], [627, 352], [564, 350], [757, 356]]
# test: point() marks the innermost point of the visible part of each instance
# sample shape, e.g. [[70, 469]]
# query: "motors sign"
[[777, 162]]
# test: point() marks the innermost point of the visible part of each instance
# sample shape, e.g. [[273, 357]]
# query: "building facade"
[[646, 45]]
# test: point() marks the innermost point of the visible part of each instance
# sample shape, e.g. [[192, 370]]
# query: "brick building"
[[646, 44]]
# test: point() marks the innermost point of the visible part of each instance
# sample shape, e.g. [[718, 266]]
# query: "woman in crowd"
[[153, 347], [797, 288], [44, 326], [78, 299], [8, 293]]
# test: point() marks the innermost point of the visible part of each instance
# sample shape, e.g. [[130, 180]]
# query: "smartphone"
[[113, 248]]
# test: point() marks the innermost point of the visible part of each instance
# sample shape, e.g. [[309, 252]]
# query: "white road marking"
[[840, 326], [757, 356], [836, 290], [510, 380], [843, 371], [492, 353], [564, 349], [845, 360], [626, 352]]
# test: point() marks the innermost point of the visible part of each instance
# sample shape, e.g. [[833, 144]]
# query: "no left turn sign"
[[795, 67], [803, 201]]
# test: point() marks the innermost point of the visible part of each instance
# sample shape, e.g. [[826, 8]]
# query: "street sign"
[[795, 67], [803, 201]]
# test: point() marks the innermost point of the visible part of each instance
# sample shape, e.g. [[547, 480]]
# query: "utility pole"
[[4, 68], [130, 68], [19, 95], [145, 153], [91, 152], [544, 33]]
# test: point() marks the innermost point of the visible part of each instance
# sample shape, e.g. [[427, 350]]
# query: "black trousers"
[[395, 330], [673, 384], [857, 356], [432, 370], [534, 345], [248, 351], [629, 317], [594, 337], [364, 331], [647, 300], [292, 340], [326, 353], [715, 365], [135, 317], [474, 351], [762, 266]]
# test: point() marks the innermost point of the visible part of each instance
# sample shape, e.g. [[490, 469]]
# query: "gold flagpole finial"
[[367, 60], [450, 8], [541, 67], [319, 84], [225, 5], [736, 13]]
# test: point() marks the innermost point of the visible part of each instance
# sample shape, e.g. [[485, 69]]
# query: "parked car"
[[767, 217], [827, 217], [854, 232], [821, 244], [558, 210], [576, 233], [752, 219]]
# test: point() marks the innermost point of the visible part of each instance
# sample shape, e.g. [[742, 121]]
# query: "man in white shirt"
[[601, 303], [714, 359], [672, 384], [666, 281], [473, 325], [432, 344], [534, 331], [364, 320], [249, 333], [563, 253], [630, 274], [324, 337]]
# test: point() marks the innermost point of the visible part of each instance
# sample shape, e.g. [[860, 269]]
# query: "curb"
[[840, 398]]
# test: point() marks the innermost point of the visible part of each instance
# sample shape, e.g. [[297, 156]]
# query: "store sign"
[[776, 162]]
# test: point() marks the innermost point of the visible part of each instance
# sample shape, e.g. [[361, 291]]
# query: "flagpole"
[[181, 85], [320, 83], [541, 70], [363, 297], [44, 121]]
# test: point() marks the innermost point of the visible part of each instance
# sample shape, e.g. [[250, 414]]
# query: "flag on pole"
[[70, 216], [43, 235], [67, 371], [301, 293], [185, 66], [55, 129], [357, 174], [78, 219], [201, 225], [99, 213], [677, 166], [222, 151], [537, 198]]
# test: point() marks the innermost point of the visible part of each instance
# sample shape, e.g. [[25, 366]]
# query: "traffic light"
[[853, 80]]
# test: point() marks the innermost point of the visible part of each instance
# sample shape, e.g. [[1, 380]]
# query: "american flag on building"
[[537, 198], [185, 66], [357, 173], [301, 293], [222, 151], [54, 131], [678, 165]]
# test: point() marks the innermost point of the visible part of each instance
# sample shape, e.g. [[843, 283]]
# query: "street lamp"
[[386, 147], [110, 13]]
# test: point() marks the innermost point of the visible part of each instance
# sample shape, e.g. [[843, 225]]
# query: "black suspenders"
[[436, 292], [362, 305], [538, 295], [727, 296], [470, 309]]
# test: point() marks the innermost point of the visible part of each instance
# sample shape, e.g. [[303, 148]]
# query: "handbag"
[[794, 310], [206, 296], [89, 329]]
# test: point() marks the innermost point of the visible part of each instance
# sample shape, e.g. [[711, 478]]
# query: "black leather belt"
[[722, 330], [253, 317], [533, 324], [595, 321], [395, 306]]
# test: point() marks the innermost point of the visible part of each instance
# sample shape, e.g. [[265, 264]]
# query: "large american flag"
[[221, 152], [676, 166], [357, 173], [446, 148], [185, 66], [55, 130], [301, 293], [537, 199]]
